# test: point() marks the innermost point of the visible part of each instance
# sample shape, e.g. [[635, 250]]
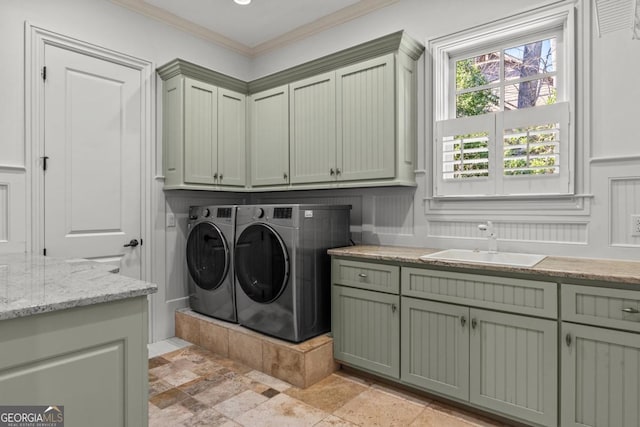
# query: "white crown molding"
[[329, 21], [182, 24], [341, 16], [636, 21]]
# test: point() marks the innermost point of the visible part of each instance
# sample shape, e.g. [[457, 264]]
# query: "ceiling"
[[259, 27]]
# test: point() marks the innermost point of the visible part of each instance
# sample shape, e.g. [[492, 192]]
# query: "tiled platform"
[[301, 364], [194, 387]]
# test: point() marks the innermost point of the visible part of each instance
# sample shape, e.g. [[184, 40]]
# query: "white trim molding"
[[36, 39], [575, 18], [362, 7]]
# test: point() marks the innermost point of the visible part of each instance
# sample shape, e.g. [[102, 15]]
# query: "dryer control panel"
[[282, 213]]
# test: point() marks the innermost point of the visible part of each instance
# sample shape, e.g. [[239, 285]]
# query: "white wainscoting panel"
[[4, 213], [13, 221], [551, 232], [624, 201], [393, 214]]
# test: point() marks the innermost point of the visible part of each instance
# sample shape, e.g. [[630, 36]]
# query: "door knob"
[[133, 243]]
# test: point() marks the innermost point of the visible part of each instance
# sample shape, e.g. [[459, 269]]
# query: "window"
[[502, 99]]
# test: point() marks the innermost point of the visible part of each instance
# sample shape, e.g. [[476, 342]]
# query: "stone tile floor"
[[194, 387]]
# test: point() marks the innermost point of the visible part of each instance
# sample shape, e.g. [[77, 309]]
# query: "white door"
[[93, 141]]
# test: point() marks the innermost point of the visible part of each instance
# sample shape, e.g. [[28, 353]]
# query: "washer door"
[[261, 263], [208, 256]]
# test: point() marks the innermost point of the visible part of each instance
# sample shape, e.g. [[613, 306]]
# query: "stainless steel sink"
[[485, 257]]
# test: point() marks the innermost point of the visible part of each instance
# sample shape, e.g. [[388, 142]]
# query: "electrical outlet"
[[635, 225], [171, 220]]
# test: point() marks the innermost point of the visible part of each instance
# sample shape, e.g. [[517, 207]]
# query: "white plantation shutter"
[[465, 162], [512, 67], [533, 145], [514, 152]]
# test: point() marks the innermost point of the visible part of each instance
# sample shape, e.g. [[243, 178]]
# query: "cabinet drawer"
[[499, 293], [613, 308], [366, 275]]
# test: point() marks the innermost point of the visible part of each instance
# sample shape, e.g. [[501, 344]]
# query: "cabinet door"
[[435, 346], [200, 132], [366, 329], [270, 137], [366, 130], [600, 377], [172, 134], [231, 138], [313, 129], [514, 365]]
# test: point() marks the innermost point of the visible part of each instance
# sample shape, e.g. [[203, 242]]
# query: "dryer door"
[[208, 256], [261, 263]]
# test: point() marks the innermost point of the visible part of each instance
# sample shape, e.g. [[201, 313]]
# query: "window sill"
[[463, 198]]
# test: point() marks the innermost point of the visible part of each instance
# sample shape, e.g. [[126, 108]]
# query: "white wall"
[[608, 162]]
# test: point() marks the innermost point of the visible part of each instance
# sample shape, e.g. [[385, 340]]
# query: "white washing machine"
[[283, 272], [210, 239]]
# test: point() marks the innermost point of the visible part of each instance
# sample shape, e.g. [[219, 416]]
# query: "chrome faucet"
[[491, 235]]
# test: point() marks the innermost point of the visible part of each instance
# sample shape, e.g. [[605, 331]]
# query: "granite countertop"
[[624, 272], [32, 284]]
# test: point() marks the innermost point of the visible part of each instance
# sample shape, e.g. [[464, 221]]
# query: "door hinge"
[[44, 252], [44, 162], [44, 73], [140, 242]]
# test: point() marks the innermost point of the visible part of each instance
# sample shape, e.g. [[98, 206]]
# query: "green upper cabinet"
[[312, 124], [348, 119], [355, 126], [231, 138], [366, 140], [270, 137], [203, 129], [200, 132]]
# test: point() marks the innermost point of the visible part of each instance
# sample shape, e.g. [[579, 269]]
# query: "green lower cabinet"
[[435, 346], [92, 360], [366, 329], [502, 362], [514, 365], [600, 377]]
